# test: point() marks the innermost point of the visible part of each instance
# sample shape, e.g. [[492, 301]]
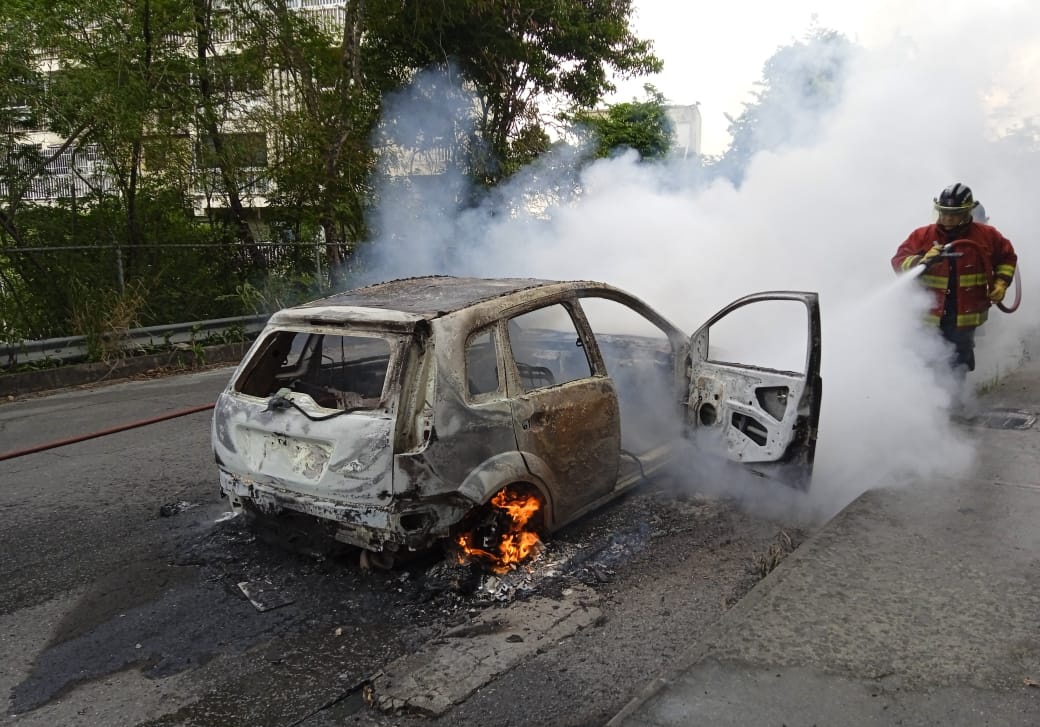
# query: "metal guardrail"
[[72, 349]]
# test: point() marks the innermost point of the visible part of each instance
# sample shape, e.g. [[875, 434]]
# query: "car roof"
[[430, 296]]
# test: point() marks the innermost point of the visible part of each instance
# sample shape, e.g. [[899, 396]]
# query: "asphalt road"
[[121, 602]]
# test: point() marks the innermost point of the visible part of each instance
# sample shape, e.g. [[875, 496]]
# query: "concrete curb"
[[30, 382]]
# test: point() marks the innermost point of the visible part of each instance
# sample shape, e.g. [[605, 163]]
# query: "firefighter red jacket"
[[987, 255]]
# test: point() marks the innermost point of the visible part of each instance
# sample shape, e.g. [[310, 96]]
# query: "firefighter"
[[968, 266]]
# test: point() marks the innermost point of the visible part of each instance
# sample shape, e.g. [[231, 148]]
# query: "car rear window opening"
[[336, 371]]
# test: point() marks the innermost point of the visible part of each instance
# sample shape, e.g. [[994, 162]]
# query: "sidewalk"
[[918, 606]]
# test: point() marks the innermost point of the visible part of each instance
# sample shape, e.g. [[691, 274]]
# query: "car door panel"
[[764, 418], [565, 414], [575, 430]]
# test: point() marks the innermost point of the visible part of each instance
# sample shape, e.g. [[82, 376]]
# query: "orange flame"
[[516, 544]]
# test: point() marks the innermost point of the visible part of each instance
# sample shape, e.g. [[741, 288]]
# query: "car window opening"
[[482, 364], [544, 351], [639, 357], [344, 372]]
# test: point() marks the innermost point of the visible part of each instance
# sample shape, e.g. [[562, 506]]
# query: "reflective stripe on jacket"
[[991, 256]]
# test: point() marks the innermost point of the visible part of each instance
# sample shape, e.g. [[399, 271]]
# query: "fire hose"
[[103, 432], [987, 263]]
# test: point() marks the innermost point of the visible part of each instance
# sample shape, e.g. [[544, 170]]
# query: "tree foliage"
[[640, 125], [261, 114], [800, 83], [322, 156], [514, 55], [21, 90]]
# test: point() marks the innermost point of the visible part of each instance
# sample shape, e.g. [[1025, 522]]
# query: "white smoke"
[[919, 113]]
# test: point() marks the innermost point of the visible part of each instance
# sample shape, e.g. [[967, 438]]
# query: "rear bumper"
[[413, 526]]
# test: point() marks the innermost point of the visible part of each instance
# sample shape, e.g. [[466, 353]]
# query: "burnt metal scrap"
[[390, 414], [265, 596]]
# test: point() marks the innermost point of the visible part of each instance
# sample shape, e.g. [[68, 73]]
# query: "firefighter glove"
[[929, 257], [996, 293]]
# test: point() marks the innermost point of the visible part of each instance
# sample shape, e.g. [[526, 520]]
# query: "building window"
[[235, 75], [245, 150]]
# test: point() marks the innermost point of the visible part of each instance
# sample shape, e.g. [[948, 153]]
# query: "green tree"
[[21, 90], [19, 86], [800, 83], [114, 81], [167, 96], [322, 105], [229, 155], [515, 55], [640, 125], [110, 74], [120, 79]]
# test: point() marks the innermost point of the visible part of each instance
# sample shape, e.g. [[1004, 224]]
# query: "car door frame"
[[544, 409], [725, 397], [646, 463]]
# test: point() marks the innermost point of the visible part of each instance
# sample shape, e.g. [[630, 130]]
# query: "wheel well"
[[542, 517], [478, 513]]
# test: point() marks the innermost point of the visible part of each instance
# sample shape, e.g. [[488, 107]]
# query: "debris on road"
[[265, 597], [170, 509]]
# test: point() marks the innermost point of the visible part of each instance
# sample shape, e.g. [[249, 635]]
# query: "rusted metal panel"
[[432, 296], [468, 433], [576, 427]]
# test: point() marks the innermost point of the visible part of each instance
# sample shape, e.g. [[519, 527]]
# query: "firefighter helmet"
[[954, 205]]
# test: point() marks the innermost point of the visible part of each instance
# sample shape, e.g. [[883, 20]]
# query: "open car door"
[[754, 383]]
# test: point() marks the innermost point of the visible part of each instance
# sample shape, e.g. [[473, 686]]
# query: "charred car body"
[[387, 414]]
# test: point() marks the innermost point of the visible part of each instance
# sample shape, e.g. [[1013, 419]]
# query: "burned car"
[[388, 415]]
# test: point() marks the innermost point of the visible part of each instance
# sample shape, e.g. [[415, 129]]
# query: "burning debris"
[[505, 534], [473, 584], [491, 566]]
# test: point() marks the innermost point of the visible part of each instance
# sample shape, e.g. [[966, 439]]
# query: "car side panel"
[[466, 432], [575, 429]]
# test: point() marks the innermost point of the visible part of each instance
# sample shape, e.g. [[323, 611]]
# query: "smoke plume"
[[824, 215]]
